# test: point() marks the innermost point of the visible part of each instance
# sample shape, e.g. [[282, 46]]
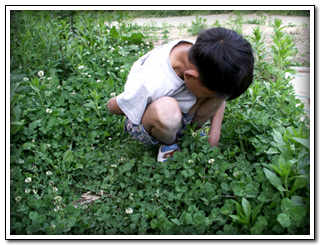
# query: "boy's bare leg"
[[162, 119]]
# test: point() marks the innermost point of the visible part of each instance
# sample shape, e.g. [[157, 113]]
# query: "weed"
[[198, 25]]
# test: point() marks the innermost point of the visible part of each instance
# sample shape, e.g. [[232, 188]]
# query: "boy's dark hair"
[[224, 60]]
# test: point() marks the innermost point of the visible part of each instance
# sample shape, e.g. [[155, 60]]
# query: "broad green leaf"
[[135, 38], [274, 180], [297, 213], [236, 217], [176, 221], [16, 126], [188, 219], [90, 104], [33, 215], [27, 146], [35, 124], [135, 217], [114, 33], [239, 191], [286, 205], [297, 200], [198, 218], [128, 166], [278, 138], [304, 142], [256, 211], [240, 212], [272, 150], [300, 182], [246, 206], [225, 186], [284, 220], [67, 156]]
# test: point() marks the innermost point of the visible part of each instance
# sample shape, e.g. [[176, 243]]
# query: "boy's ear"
[[192, 73]]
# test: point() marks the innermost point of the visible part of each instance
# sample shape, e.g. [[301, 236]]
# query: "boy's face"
[[197, 89]]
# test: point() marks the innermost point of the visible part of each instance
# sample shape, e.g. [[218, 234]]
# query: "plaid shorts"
[[138, 132]]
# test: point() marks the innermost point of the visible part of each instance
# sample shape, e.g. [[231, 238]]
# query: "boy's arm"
[[114, 108], [215, 129]]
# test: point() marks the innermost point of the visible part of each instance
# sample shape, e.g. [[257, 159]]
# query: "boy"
[[180, 83]]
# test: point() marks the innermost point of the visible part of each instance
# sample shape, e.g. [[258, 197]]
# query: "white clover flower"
[[47, 145], [98, 80], [190, 161], [103, 59], [18, 198], [211, 161], [129, 211], [121, 70], [48, 173], [53, 226], [20, 67], [81, 67], [28, 180], [131, 194], [108, 60], [93, 58], [113, 165], [194, 134], [21, 161], [40, 73], [57, 198], [27, 191], [236, 174], [74, 92], [33, 140], [49, 78], [56, 208], [113, 94], [51, 183], [58, 87], [25, 79], [89, 75], [48, 110], [55, 189], [117, 68]]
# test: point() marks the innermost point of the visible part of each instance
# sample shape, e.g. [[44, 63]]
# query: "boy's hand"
[[114, 108]]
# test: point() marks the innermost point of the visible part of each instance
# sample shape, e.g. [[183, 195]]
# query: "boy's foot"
[[166, 151]]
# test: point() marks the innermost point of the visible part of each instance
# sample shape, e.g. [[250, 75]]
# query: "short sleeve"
[[133, 102]]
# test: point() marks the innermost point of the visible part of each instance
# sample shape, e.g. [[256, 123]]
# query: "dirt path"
[[211, 19]]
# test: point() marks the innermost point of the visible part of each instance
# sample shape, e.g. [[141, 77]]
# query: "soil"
[[177, 27]]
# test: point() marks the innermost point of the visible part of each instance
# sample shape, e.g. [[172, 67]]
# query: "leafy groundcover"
[[74, 171]]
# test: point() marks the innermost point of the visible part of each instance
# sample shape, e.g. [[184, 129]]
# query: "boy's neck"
[[179, 58]]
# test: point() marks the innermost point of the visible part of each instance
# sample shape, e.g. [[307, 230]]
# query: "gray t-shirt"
[[152, 77]]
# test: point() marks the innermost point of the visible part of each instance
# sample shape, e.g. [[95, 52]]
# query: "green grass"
[[64, 142]]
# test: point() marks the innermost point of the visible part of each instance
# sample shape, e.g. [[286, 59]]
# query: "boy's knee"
[[168, 113]]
